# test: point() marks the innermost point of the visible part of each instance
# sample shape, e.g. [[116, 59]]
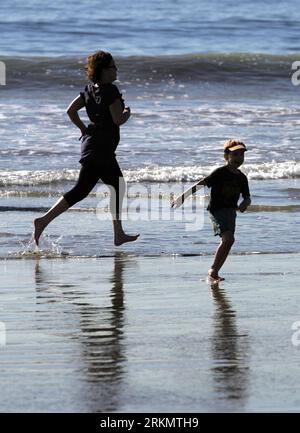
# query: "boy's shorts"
[[223, 220]]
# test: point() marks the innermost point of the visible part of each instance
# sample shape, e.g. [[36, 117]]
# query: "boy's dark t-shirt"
[[226, 188], [103, 135]]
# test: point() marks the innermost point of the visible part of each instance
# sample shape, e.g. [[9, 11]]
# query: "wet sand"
[[147, 334]]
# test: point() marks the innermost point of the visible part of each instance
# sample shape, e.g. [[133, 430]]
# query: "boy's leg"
[[221, 253]]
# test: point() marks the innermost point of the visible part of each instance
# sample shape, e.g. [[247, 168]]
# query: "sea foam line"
[[154, 173]]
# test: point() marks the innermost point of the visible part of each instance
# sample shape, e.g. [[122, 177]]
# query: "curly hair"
[[95, 63]]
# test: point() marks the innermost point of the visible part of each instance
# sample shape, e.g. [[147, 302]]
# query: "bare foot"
[[213, 277], [38, 229], [123, 238]]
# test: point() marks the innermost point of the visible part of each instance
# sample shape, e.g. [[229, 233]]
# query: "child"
[[226, 183]]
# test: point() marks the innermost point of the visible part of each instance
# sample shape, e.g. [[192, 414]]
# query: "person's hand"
[[243, 205], [127, 110], [177, 202]]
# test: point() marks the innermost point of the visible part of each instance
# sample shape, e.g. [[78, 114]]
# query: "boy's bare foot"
[[122, 238], [38, 229], [213, 276]]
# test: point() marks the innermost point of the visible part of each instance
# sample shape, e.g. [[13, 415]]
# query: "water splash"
[[48, 248]]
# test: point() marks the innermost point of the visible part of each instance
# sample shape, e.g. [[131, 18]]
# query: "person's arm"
[[118, 114], [72, 112], [244, 204], [180, 199], [246, 196]]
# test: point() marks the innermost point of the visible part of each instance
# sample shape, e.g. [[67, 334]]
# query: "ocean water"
[[139, 27], [93, 320], [194, 74]]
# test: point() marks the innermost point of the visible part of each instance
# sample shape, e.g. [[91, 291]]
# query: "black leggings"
[[89, 175]]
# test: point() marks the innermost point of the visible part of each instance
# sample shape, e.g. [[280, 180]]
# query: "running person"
[[227, 183], [106, 111]]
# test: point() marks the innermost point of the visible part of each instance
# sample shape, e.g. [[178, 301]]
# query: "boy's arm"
[[246, 196], [180, 199], [244, 204]]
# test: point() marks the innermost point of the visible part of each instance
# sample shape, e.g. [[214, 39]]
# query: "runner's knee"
[[74, 196], [228, 238]]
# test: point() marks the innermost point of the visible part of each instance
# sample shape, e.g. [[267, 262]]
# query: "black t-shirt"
[[226, 188], [97, 101], [102, 135]]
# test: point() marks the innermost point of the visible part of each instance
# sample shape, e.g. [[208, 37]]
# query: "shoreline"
[[49, 255]]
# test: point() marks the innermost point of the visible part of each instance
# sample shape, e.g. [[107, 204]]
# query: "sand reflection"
[[96, 329], [230, 351]]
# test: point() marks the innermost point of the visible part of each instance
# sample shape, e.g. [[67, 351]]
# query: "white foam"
[[259, 171], [154, 173]]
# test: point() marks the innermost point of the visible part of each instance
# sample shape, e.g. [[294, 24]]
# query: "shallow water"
[[271, 225], [109, 334]]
